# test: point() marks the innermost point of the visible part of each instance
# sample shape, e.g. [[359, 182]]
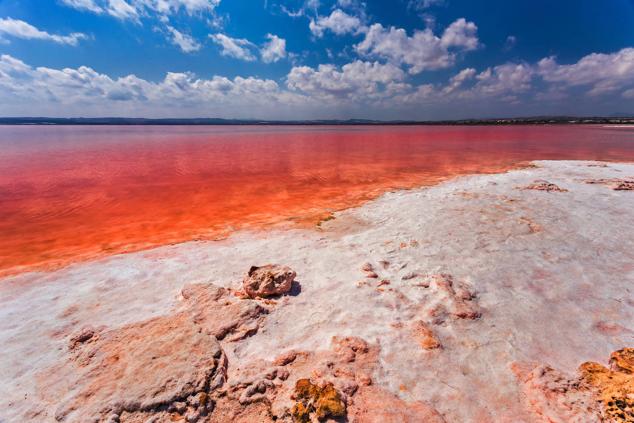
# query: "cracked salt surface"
[[552, 273]]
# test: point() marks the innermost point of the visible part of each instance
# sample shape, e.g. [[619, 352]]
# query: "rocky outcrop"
[[306, 386], [614, 386], [161, 366], [545, 186], [596, 394], [267, 281], [166, 368], [220, 313]]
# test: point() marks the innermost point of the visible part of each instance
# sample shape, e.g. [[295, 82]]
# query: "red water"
[[73, 193]]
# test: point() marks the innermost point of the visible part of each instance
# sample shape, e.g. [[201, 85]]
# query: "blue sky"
[[403, 59]]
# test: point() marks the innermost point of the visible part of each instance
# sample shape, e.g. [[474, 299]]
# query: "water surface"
[[76, 192]]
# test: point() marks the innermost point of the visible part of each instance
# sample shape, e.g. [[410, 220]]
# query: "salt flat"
[[533, 275]]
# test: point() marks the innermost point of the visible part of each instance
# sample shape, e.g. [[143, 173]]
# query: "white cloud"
[[461, 34], [186, 43], [423, 50], [238, 48], [355, 80], [339, 22], [20, 29], [173, 6], [603, 73], [509, 78], [458, 80], [274, 49], [122, 10], [89, 5], [133, 9], [83, 91]]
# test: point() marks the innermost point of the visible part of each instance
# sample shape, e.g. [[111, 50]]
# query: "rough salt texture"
[[498, 275], [165, 367]]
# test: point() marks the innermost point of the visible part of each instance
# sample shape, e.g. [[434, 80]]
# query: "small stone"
[[268, 280]]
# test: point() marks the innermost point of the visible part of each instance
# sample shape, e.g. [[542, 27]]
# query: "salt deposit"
[[495, 273]]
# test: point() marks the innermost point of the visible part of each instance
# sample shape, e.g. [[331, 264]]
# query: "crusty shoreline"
[[501, 270]]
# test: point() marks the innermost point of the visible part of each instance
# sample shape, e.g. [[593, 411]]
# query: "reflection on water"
[[70, 193]]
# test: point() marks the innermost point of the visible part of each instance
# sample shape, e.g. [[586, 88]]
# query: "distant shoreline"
[[541, 120]]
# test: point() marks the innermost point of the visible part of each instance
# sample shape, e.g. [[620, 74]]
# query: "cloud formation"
[[238, 48], [423, 50], [132, 9], [603, 73], [185, 42], [20, 29], [274, 49], [339, 22], [353, 81], [363, 88]]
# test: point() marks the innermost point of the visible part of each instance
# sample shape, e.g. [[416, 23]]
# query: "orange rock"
[[616, 386], [425, 336], [268, 280], [321, 401], [597, 394]]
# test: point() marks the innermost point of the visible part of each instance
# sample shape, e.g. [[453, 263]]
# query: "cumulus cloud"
[[509, 78], [274, 49], [185, 42], [603, 73], [339, 22], [83, 91], [354, 80], [461, 34], [20, 29], [423, 50], [238, 48]]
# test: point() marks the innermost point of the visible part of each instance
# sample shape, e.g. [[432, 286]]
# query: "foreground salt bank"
[[474, 300]]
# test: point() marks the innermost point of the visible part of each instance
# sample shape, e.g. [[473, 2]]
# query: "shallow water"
[[71, 193]]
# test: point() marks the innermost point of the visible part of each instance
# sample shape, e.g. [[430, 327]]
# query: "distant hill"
[[536, 120]]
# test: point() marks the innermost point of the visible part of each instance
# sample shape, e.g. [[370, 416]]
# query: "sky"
[[316, 59]]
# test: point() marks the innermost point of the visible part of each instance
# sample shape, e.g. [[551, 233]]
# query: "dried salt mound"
[[615, 183], [267, 281], [545, 186]]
